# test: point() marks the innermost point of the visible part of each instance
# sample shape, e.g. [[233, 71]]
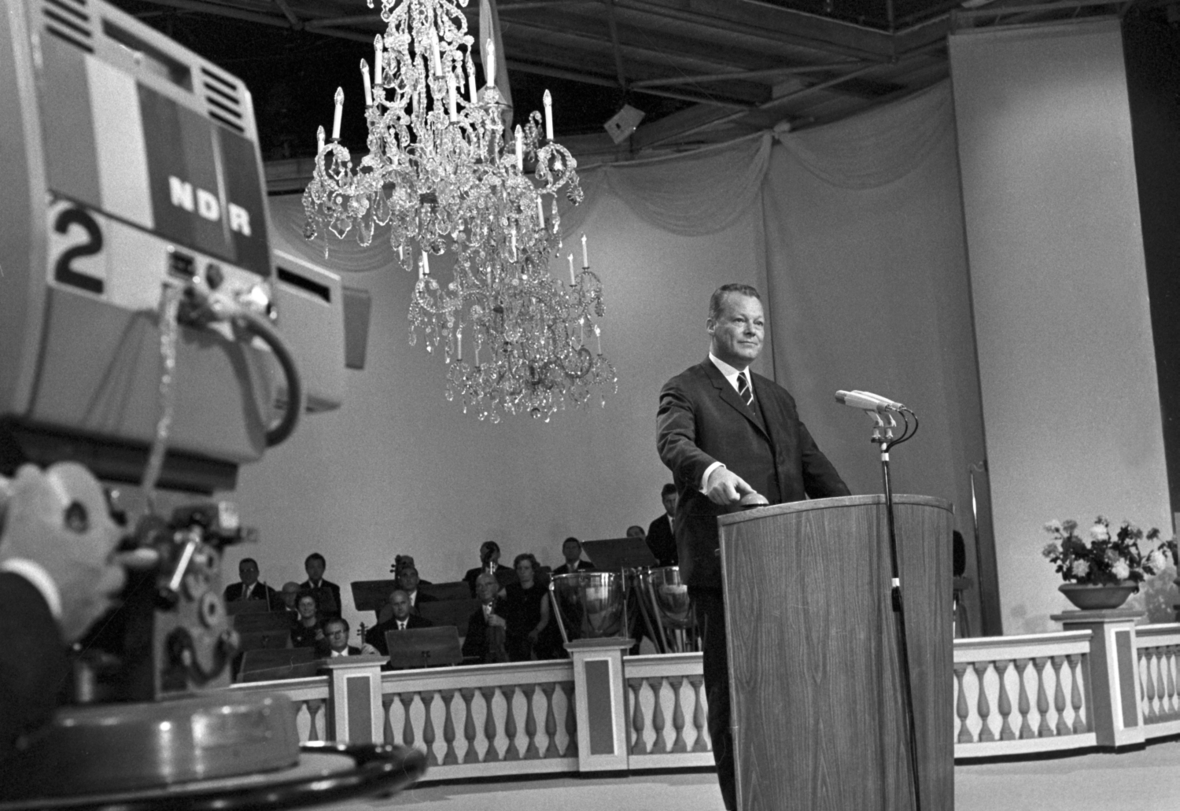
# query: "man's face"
[[248, 572], [669, 503], [315, 569], [290, 592], [487, 588], [400, 602], [489, 554], [408, 579], [337, 636], [571, 551], [737, 331]]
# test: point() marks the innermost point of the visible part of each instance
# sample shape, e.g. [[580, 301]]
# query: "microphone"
[[867, 401]]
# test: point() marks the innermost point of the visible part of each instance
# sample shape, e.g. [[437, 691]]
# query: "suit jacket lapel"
[[730, 395]]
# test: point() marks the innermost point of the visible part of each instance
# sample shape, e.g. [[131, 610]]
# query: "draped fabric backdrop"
[[854, 234]]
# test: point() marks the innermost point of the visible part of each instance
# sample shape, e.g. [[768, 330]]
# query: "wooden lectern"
[[818, 705]]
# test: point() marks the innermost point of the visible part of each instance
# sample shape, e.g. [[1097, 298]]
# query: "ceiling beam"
[[769, 73]]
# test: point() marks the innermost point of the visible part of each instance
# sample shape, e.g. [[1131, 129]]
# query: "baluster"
[[428, 736], [961, 708], [387, 715], [550, 720], [1040, 664], [982, 704], [678, 744], [1150, 710], [1059, 696], [698, 713], [638, 746], [1006, 731], [469, 755], [1170, 681], [657, 714], [1075, 693], [530, 723], [1023, 704], [315, 711], [408, 726], [450, 757], [511, 752], [571, 719], [490, 755]]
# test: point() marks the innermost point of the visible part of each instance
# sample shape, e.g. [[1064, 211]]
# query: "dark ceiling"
[[701, 70]]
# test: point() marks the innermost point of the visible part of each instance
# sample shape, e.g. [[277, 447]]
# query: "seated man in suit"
[[399, 602], [660, 538], [635, 531], [402, 561], [327, 595], [489, 560], [250, 588], [571, 550], [336, 641], [486, 628], [290, 593], [407, 578]]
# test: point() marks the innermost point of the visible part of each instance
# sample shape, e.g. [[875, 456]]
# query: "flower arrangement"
[[1106, 559]]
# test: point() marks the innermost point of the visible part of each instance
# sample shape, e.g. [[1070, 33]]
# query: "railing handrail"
[[1030, 645]]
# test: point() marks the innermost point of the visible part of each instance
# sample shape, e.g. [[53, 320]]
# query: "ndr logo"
[[185, 195]]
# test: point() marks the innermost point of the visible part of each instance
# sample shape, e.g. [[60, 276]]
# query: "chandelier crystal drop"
[[441, 176]]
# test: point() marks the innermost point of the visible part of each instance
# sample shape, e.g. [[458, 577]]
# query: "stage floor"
[[1135, 781]]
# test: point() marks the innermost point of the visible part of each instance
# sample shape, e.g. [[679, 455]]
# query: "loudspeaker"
[[358, 305]]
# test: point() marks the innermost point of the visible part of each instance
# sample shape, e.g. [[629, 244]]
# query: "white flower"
[[1120, 569], [1099, 532], [1080, 568], [1157, 561]]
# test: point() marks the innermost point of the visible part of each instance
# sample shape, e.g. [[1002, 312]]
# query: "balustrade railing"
[[666, 711], [1157, 650], [1022, 694], [1108, 684]]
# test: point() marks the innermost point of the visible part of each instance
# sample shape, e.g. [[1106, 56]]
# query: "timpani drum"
[[589, 605], [671, 606]]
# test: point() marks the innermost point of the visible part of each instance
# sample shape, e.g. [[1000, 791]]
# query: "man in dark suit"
[[486, 629], [571, 550], [336, 641], [400, 619], [489, 561], [408, 579], [660, 538], [726, 434], [250, 588], [327, 595]]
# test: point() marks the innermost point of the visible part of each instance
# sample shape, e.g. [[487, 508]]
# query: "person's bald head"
[[290, 592], [486, 587], [399, 601]]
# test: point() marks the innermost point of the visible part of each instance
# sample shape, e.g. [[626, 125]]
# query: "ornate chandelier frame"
[[439, 174]]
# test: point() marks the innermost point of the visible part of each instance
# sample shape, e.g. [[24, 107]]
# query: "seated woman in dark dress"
[[526, 612], [306, 629]]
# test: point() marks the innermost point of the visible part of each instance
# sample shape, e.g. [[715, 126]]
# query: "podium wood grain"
[[813, 654]]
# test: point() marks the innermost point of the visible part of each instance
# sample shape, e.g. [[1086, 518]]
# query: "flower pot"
[[1096, 597]]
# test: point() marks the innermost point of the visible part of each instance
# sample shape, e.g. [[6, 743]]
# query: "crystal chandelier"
[[441, 177]]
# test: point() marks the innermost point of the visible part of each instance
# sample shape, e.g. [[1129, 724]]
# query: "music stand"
[[613, 554], [267, 664], [423, 647], [442, 613], [372, 595]]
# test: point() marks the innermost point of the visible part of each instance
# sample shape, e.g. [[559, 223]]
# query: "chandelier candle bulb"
[[540, 211], [338, 114], [453, 102], [548, 99], [436, 59], [573, 281], [472, 90], [489, 65], [519, 149], [585, 255], [378, 60], [368, 83]]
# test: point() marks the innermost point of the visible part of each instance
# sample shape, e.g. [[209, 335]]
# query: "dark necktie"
[[744, 390]]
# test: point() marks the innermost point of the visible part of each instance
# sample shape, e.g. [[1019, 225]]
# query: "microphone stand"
[[885, 442]]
